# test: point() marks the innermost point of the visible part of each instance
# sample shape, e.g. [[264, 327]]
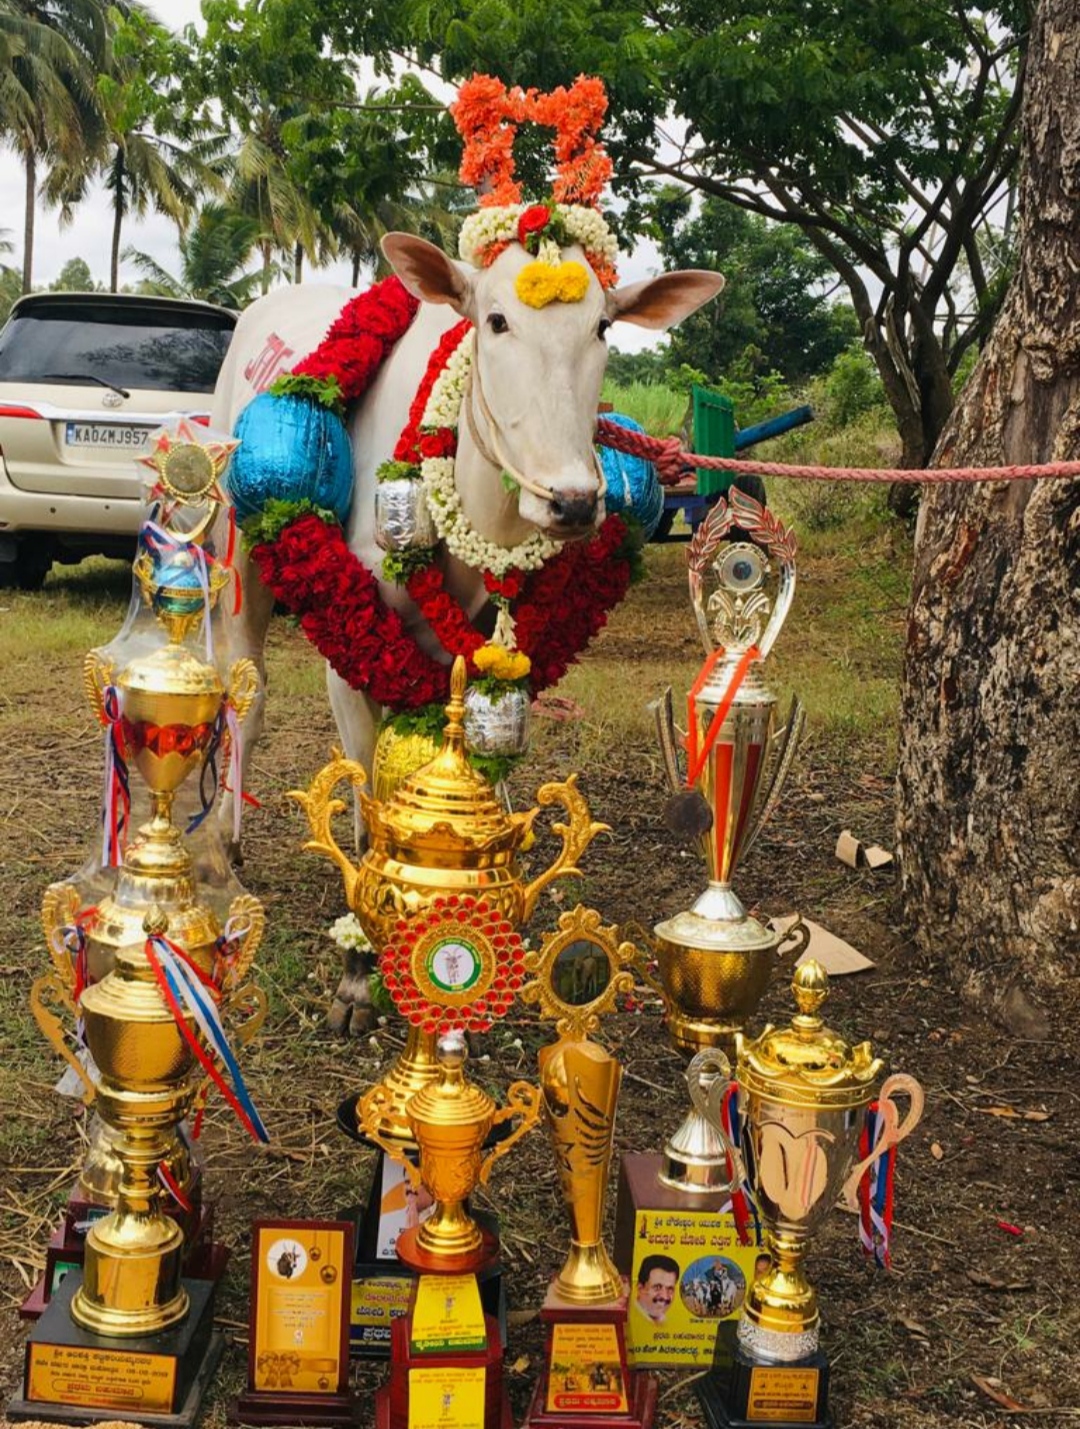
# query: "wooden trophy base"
[[314, 1410], [586, 1378], [739, 1393], [443, 1385], [75, 1377], [689, 1244], [382, 1286]]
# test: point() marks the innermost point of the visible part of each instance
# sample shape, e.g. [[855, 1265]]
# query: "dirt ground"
[[978, 1322]]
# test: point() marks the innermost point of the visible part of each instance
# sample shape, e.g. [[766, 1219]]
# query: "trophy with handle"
[[714, 960]]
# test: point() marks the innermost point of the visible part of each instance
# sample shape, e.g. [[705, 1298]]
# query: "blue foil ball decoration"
[[291, 449], [632, 484]]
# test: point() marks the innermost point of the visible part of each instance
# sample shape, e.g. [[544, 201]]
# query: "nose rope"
[[497, 457]]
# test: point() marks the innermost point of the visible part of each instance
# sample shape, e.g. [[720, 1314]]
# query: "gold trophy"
[[580, 969], [450, 1121], [714, 960], [443, 832], [803, 1092], [166, 712]]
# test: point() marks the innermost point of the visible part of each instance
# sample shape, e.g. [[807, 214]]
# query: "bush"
[[850, 388]]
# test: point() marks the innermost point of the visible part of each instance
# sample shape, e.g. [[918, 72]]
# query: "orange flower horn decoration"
[[487, 115]]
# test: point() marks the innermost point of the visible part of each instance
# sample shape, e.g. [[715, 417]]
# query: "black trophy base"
[[75, 1377], [740, 1393]]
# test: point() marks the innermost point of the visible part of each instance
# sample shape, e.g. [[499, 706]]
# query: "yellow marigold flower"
[[515, 667], [487, 657], [502, 664], [573, 282], [537, 284]]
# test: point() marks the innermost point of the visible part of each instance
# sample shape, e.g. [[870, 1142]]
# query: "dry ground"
[[981, 1306]]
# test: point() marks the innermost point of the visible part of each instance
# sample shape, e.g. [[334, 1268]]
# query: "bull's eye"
[[601, 331], [497, 323]]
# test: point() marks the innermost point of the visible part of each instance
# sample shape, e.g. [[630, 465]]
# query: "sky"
[[89, 236]]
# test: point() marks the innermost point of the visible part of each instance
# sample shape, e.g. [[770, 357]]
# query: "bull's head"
[[538, 370]]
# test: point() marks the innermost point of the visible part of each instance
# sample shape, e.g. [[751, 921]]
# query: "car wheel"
[[32, 565]]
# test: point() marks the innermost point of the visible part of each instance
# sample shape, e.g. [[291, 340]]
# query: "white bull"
[[541, 371]]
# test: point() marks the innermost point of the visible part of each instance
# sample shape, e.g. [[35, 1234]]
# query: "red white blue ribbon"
[[116, 813], [187, 990], [226, 735], [172, 1185], [742, 1202], [876, 1190]]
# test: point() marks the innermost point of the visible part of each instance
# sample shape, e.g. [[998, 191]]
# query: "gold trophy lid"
[[446, 806], [450, 1100], [808, 1063], [171, 670]]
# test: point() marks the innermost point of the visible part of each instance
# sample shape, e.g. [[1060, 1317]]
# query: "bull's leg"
[[245, 636], [357, 722]]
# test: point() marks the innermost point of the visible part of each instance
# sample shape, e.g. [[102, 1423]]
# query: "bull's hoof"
[[351, 1011]]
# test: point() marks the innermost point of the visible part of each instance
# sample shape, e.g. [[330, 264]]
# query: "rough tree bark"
[[989, 773]]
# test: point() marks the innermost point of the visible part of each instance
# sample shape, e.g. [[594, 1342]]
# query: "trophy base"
[[381, 1285], [689, 1263], [586, 1377], [204, 1258], [304, 1411], [72, 1376], [741, 1393], [447, 1386]]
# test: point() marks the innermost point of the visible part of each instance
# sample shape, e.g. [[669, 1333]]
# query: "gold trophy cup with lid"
[[715, 960], [803, 1093], [442, 832]]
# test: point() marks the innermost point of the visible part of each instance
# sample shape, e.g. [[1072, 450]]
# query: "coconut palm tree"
[[49, 110], [214, 253], [263, 188]]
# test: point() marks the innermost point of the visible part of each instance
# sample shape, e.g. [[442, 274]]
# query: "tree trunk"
[[28, 219], [298, 263], [356, 268], [118, 220], [268, 258], [988, 820]]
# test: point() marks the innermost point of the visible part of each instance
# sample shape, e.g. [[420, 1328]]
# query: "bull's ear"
[[427, 272], [662, 302]]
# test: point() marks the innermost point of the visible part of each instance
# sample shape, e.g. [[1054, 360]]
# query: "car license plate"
[[106, 434]]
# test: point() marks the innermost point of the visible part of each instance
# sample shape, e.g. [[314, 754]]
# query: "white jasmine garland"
[[437, 473], [499, 225], [348, 933]]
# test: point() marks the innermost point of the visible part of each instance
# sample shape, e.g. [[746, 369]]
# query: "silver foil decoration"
[[497, 726], [402, 519]]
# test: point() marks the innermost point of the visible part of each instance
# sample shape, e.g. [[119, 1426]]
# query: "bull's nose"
[[572, 508]]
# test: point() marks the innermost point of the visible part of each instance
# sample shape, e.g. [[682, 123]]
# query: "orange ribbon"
[[696, 757]]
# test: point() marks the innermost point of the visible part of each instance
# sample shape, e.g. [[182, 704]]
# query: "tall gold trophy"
[[149, 1012], [715, 960], [579, 971], [443, 832], [803, 1094]]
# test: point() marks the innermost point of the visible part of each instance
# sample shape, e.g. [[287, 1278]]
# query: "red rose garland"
[[361, 338]]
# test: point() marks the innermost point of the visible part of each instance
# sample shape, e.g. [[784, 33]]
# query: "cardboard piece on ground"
[[855, 854], [835, 955]]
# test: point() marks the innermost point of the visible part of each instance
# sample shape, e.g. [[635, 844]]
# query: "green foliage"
[[851, 387], [10, 290], [214, 253], [397, 471], [265, 526], [398, 566], [660, 409], [75, 277], [773, 314], [326, 391]]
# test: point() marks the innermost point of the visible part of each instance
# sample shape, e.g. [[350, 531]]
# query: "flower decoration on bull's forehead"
[[487, 115]]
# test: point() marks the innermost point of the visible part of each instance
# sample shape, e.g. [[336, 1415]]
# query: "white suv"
[[84, 379]]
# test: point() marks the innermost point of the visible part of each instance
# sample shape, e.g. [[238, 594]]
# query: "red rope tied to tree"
[[673, 462]]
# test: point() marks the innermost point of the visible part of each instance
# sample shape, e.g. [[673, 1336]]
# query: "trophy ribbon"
[[182, 981], [117, 811], [891, 1130], [696, 758]]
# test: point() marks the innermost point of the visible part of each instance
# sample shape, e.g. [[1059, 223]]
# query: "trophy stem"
[[695, 1159], [780, 1319], [589, 1276]]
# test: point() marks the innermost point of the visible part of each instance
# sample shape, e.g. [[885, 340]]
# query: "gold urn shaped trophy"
[[442, 833], [454, 965], [147, 974], [715, 960], [579, 970], [803, 1095]]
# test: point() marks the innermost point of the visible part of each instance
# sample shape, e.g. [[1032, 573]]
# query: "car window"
[[162, 350]]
